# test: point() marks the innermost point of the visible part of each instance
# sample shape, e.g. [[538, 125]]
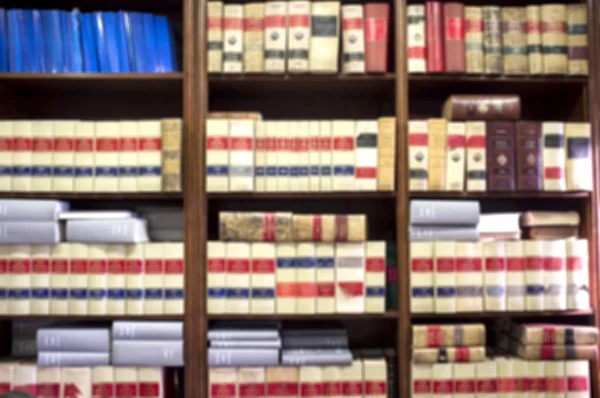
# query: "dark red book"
[[529, 156], [454, 32], [500, 155], [377, 19], [434, 23]]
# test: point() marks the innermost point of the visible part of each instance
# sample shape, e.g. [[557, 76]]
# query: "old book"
[[415, 34], [233, 38], [529, 156], [454, 35], [444, 276], [294, 147], [577, 40], [448, 355], [476, 163], [494, 277], [375, 377], [214, 37], [350, 276], [173, 280], [324, 41], [237, 278], [474, 39], [492, 40], [313, 227], [554, 38], [434, 15], [78, 281], [254, 25], [314, 158], [533, 252], [421, 377], [353, 39], [366, 157], [482, 107], [217, 155], [377, 16], [351, 228], [549, 218], [310, 380], [59, 279], [262, 278], [115, 281], [103, 381], [149, 156], [555, 275], [256, 226], [171, 131], [343, 157], [352, 379], [550, 233], [276, 16], [554, 383], [421, 277], [306, 278], [285, 276], [436, 154], [417, 155], [554, 352], [578, 291], [579, 160], [375, 277], [386, 153], [469, 277], [514, 40], [19, 280], [325, 272], [534, 40], [298, 36], [550, 334], [455, 156], [154, 278], [429, 336], [554, 156], [501, 156], [260, 156], [332, 385]]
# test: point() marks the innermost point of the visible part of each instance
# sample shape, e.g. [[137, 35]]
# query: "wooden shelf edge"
[[78, 318], [258, 78], [457, 78], [305, 317], [501, 195], [91, 76], [92, 195], [301, 195], [501, 314]]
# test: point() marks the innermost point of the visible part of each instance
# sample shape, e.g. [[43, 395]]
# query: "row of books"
[[55, 41], [531, 275], [297, 156], [549, 39], [289, 278], [90, 156], [499, 156], [291, 227], [80, 279], [297, 37]]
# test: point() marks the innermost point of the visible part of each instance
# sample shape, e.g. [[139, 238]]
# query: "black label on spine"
[[366, 140], [215, 45], [534, 48], [349, 57], [232, 57], [554, 141], [576, 29], [298, 54], [414, 19], [324, 26], [554, 50], [420, 174], [476, 175], [274, 54], [578, 148]]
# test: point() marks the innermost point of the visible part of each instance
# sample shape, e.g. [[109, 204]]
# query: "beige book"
[[298, 36], [470, 334], [386, 151], [577, 22], [214, 37], [233, 38], [325, 35], [222, 382], [514, 40], [579, 159], [455, 157], [554, 38], [254, 60], [417, 155], [474, 39], [534, 40], [171, 131], [549, 218], [437, 154], [276, 14], [314, 227], [476, 156]]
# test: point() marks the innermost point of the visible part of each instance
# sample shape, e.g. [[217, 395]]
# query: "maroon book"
[[529, 156], [377, 17], [500, 156], [434, 23], [454, 32]]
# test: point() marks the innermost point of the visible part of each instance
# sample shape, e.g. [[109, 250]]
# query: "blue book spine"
[[88, 44], [29, 40], [53, 50], [149, 38], [65, 25], [3, 41], [101, 38], [123, 40], [138, 42], [38, 57], [111, 32], [75, 40], [165, 39], [16, 30]]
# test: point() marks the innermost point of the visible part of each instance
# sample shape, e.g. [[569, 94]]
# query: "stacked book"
[[289, 263], [147, 343], [550, 225], [481, 145], [90, 156], [315, 347], [56, 41], [239, 345], [547, 39], [165, 223], [300, 156], [297, 37], [444, 220], [73, 346], [448, 343]]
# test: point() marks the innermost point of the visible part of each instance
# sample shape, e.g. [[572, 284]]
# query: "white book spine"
[[445, 276], [106, 157], [554, 384], [331, 381], [215, 37], [577, 379], [555, 275], [25, 378], [115, 282], [77, 378], [299, 36], [149, 156], [6, 155], [487, 379], [325, 272], [534, 274], [326, 155], [366, 155], [515, 276], [174, 277], [134, 279], [325, 37], [464, 380], [353, 38], [310, 380], [237, 278], [85, 133], [272, 156], [417, 155], [554, 156], [476, 156], [22, 156], [421, 380], [537, 377], [78, 279], [241, 161], [98, 279], [5, 252], [215, 277], [469, 277], [223, 381], [275, 36], [375, 378], [506, 377], [233, 40], [154, 278], [306, 278], [151, 382], [19, 268], [343, 157], [302, 156], [579, 160], [421, 277], [352, 380], [417, 59], [262, 278], [260, 169], [48, 381], [285, 273], [59, 279], [126, 382], [455, 156], [578, 279], [103, 381], [521, 371], [375, 277], [494, 278], [42, 148], [314, 183], [63, 158], [442, 382], [350, 277], [217, 155], [40, 279], [284, 156], [293, 151], [129, 141]]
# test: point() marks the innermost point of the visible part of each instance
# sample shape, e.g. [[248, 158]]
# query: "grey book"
[[237, 334], [167, 235], [162, 217], [132, 230], [237, 357], [331, 341], [73, 339], [444, 212], [31, 210], [246, 344], [72, 358], [316, 357], [30, 232], [151, 330], [147, 353], [434, 233]]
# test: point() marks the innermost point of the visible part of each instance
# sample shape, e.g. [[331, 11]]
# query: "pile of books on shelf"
[[549, 39], [300, 156], [295, 264], [57, 41], [90, 156], [297, 37], [480, 145]]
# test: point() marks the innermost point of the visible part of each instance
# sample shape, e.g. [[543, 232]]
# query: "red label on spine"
[[468, 264], [577, 384], [253, 24], [42, 145], [269, 227], [78, 266], [215, 23], [352, 388], [116, 266], [462, 354], [455, 29], [442, 386], [84, 145], [377, 387], [40, 266], [217, 143], [553, 173], [98, 266], [366, 172], [422, 386], [375, 264], [19, 266], [233, 24], [495, 264], [574, 264], [299, 21], [445, 264], [149, 144], [286, 289], [416, 52], [223, 390], [64, 144], [553, 264], [514, 264], [421, 265], [275, 21], [317, 228], [282, 389], [352, 23], [107, 144], [343, 144], [263, 265], [149, 389], [476, 141], [325, 289], [6, 144], [352, 289], [473, 25], [417, 139], [376, 29], [128, 144], [252, 390], [456, 141], [434, 336], [21, 144]]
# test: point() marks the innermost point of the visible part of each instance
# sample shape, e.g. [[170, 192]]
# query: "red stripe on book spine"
[[3, 265], [352, 23], [366, 172], [506, 385], [214, 265], [21, 144], [464, 386], [434, 336], [78, 266], [456, 141], [352, 388], [217, 143], [149, 389], [352, 289], [487, 386], [375, 264], [468, 264], [533, 26], [107, 144], [377, 387], [442, 386], [421, 265], [421, 386], [546, 352], [59, 266], [416, 52], [252, 390], [553, 264], [577, 384], [40, 265], [308, 389], [241, 143], [84, 145], [116, 266], [98, 266], [534, 263], [175, 266], [476, 141], [574, 264], [553, 173], [263, 265], [282, 389], [417, 139], [445, 264], [473, 25], [343, 144], [261, 144], [238, 266], [48, 390], [6, 144], [222, 390], [149, 144], [274, 21], [317, 228], [156, 266], [325, 289], [299, 21], [215, 23], [286, 289], [253, 24], [560, 27], [233, 24], [549, 335], [515, 264], [128, 144], [462, 354], [495, 264], [306, 289], [269, 227], [332, 388], [134, 266], [43, 145], [64, 144], [127, 389], [455, 29], [376, 29], [19, 266]]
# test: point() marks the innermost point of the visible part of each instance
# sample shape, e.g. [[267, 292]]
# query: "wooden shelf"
[[300, 195], [80, 318], [304, 317], [92, 195], [504, 314], [500, 195]]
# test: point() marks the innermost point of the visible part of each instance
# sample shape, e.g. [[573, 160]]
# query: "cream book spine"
[[216, 290], [260, 157], [375, 277], [441, 379], [63, 157], [386, 153], [237, 278], [421, 376], [325, 35], [311, 381], [421, 277], [251, 382], [436, 154], [222, 382], [285, 274], [350, 277], [332, 386], [214, 37], [326, 155], [134, 279], [445, 276], [293, 151], [59, 278], [554, 384], [22, 156], [487, 379], [283, 381], [48, 381], [553, 156], [306, 278], [325, 272], [6, 375], [555, 275], [343, 156], [129, 140], [262, 278], [241, 160], [515, 276], [6, 155], [19, 269], [80, 379], [149, 156], [415, 33], [469, 277], [537, 378], [577, 375], [464, 380], [78, 279], [40, 279], [352, 380], [375, 378], [579, 160], [98, 279], [233, 38], [85, 144], [494, 277], [174, 277], [299, 36], [254, 18], [455, 156], [284, 138], [578, 292], [154, 278], [42, 159], [353, 39], [417, 155], [314, 162], [217, 155], [5, 251], [366, 160], [106, 157], [521, 370], [302, 156], [534, 274], [126, 382], [534, 40], [276, 13], [272, 131], [151, 381], [506, 377], [25, 378], [476, 156], [115, 281]]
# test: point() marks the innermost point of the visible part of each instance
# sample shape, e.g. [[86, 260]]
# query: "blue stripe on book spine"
[[59, 294], [79, 294], [217, 292]]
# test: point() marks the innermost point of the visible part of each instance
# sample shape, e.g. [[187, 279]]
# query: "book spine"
[[78, 279], [262, 278], [514, 40], [534, 274], [251, 382], [134, 280], [254, 33], [284, 148], [350, 276], [441, 378], [553, 156], [84, 144], [376, 37], [577, 39], [214, 37], [40, 279], [103, 381], [233, 38], [529, 156], [174, 281], [310, 381], [215, 277], [237, 278], [469, 277], [154, 278], [352, 380], [151, 381], [6, 154], [366, 155], [554, 38], [492, 40], [314, 183], [286, 289], [436, 154], [276, 15], [59, 279], [306, 278], [4, 279], [25, 378], [421, 277], [386, 153], [222, 382], [577, 379], [501, 154], [534, 40], [48, 381], [375, 378], [106, 157], [241, 161], [217, 155], [417, 154], [260, 157], [474, 39], [343, 157], [487, 379], [129, 155], [272, 156], [171, 135], [353, 37], [578, 296], [494, 278], [434, 15], [19, 269], [42, 149], [326, 155], [444, 276], [293, 149], [464, 379], [555, 275], [149, 156], [579, 162], [302, 157], [325, 278], [454, 35], [421, 380], [126, 382], [325, 36], [415, 33], [375, 277], [299, 36], [455, 156], [115, 281], [476, 156], [515, 276], [22, 156], [98, 280]]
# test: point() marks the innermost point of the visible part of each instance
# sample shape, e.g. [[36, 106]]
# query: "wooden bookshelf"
[[533, 315], [91, 318], [306, 317], [158, 196]]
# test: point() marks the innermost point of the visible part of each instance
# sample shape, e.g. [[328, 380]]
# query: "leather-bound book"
[[434, 23], [534, 40], [514, 40], [529, 156], [500, 156], [492, 40], [454, 32], [554, 38], [474, 39], [482, 107], [377, 17], [577, 40]]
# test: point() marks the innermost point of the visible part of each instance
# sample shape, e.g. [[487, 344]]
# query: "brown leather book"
[[529, 156], [500, 156], [235, 115], [454, 33], [482, 107], [377, 17], [550, 233]]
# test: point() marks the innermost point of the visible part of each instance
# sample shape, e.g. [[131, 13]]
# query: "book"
[[454, 36], [474, 39], [577, 40], [353, 39], [554, 156], [415, 33], [492, 40], [417, 154], [421, 277], [298, 36], [514, 40], [325, 25], [253, 60], [534, 40], [377, 17], [444, 276], [276, 21], [214, 37], [578, 165], [553, 19], [233, 38]]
